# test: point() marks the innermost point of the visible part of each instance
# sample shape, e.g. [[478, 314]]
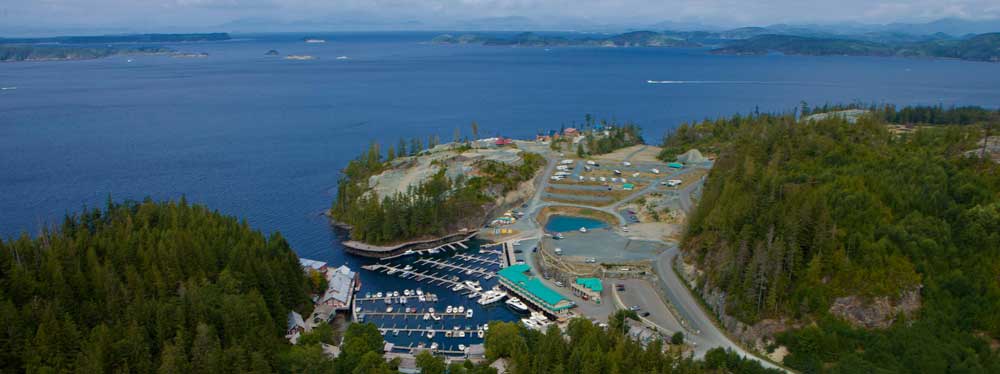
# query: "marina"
[[450, 313]]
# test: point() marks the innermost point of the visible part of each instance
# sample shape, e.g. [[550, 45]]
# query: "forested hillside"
[[797, 216], [146, 287], [587, 348]]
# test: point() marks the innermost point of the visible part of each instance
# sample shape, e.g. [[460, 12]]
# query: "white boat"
[[402, 299], [474, 295], [368, 295], [558, 235], [427, 316], [408, 267], [468, 313], [449, 309], [421, 298], [342, 57], [461, 347], [480, 333], [435, 317], [458, 287], [461, 334], [434, 346], [406, 292], [420, 292], [430, 334], [491, 297], [395, 293], [461, 309], [388, 309], [583, 229], [431, 309], [378, 295], [517, 305], [472, 285], [388, 299]]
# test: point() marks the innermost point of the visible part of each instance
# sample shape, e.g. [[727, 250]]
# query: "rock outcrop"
[[877, 312]]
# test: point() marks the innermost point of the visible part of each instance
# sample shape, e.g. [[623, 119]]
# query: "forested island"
[[13, 53], [759, 40], [420, 191], [528, 39], [870, 245], [983, 47], [63, 48]]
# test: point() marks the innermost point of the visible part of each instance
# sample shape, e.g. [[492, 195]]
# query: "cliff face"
[[878, 312], [861, 312]]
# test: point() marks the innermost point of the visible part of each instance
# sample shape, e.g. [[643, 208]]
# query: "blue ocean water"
[[264, 138], [560, 223]]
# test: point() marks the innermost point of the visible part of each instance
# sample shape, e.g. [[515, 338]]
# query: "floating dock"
[[482, 272]]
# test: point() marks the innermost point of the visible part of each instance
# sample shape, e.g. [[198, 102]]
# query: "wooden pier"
[[477, 259], [482, 272], [405, 315], [408, 274]]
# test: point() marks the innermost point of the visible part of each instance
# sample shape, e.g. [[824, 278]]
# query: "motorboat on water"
[[395, 293], [378, 295], [473, 295], [458, 287], [430, 334], [388, 309], [420, 292], [427, 316], [468, 313], [473, 285], [517, 305], [461, 309], [435, 317], [434, 346], [449, 309], [431, 310], [491, 296], [461, 347]]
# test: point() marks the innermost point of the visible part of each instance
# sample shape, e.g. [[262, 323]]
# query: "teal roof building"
[[516, 279]]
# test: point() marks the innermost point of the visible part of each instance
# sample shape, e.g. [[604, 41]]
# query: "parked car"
[[620, 287], [559, 284], [518, 251], [634, 308], [645, 314], [585, 297]]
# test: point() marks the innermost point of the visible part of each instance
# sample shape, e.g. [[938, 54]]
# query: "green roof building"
[[516, 279], [590, 287]]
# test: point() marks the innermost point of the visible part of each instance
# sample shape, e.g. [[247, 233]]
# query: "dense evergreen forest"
[[797, 214], [587, 348], [144, 287], [434, 207]]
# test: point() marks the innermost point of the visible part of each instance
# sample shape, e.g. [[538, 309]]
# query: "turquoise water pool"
[[559, 223]]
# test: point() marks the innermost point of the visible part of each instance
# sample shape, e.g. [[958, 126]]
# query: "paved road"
[[642, 293], [702, 333]]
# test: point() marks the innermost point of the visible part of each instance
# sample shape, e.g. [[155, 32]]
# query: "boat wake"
[[7, 88], [711, 82]]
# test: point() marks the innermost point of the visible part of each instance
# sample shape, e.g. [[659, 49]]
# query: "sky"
[[26, 16]]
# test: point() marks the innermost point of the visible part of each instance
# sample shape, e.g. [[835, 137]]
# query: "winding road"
[[702, 331]]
